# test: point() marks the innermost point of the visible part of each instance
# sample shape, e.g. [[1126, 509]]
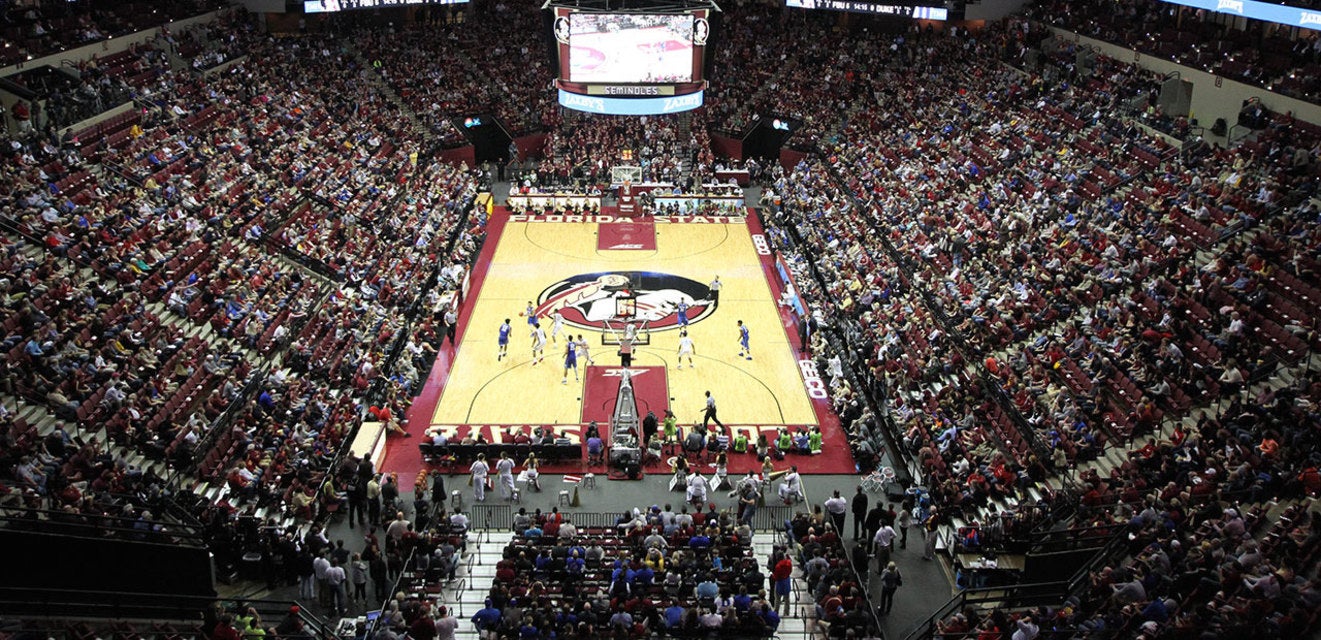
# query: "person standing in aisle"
[[503, 340], [882, 545], [743, 348], [837, 507], [710, 412], [859, 515], [891, 580], [479, 470], [339, 594], [781, 576], [904, 521], [929, 529], [686, 349]]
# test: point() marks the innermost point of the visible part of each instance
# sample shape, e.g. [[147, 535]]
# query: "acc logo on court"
[[590, 299]]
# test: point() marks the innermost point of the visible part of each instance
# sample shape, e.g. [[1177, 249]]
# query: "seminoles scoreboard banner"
[[631, 63], [1267, 11]]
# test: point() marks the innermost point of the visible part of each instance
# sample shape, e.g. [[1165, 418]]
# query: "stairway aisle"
[[470, 594]]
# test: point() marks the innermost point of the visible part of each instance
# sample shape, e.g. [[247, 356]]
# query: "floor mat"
[[625, 236]]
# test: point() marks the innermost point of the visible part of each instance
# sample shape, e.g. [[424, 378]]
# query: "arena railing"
[[62, 604], [100, 527], [1020, 596], [877, 406], [500, 517], [376, 394]]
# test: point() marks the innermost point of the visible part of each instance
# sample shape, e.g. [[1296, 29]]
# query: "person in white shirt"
[[557, 325], [335, 578], [584, 350], [687, 350], [459, 522], [697, 487], [319, 568], [480, 470], [505, 468], [445, 624], [791, 488], [836, 506], [882, 544], [538, 343]]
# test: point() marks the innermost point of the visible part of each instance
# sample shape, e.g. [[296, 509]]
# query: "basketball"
[[520, 314]]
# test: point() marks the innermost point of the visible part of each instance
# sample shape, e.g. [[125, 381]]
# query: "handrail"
[[878, 408], [58, 603], [99, 526], [1021, 593], [394, 588]]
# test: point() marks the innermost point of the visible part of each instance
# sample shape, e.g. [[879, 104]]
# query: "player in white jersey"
[[584, 351], [686, 349], [557, 324], [538, 343]]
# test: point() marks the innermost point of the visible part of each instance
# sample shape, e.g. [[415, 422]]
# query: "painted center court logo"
[[590, 299]]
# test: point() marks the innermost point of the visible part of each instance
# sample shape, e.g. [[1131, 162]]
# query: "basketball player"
[[584, 351], [538, 343], [743, 347], [686, 349], [504, 340], [570, 361], [557, 325], [682, 311], [714, 290], [531, 314]]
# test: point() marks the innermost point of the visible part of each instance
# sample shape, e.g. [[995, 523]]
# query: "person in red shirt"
[[780, 575], [225, 629]]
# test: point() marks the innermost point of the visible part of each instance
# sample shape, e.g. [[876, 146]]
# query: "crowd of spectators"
[[582, 150], [1027, 279], [36, 29], [657, 571], [786, 64], [1277, 57], [218, 208], [1023, 278]]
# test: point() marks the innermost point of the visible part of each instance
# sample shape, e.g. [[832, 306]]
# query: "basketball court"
[[570, 265]]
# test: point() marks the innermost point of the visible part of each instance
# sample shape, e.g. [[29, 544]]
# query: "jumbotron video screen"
[[616, 48]]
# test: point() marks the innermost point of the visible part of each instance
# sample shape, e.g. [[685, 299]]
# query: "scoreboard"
[[914, 11], [642, 62]]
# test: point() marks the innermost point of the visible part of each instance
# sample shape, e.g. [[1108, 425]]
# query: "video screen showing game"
[[617, 48]]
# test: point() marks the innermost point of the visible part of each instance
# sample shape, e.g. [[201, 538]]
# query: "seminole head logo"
[[590, 299]]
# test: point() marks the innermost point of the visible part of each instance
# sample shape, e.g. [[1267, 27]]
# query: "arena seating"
[[1263, 54], [1046, 299]]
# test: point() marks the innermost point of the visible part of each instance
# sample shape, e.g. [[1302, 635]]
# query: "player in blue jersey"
[[570, 362], [531, 314], [504, 340], [743, 347], [682, 311]]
